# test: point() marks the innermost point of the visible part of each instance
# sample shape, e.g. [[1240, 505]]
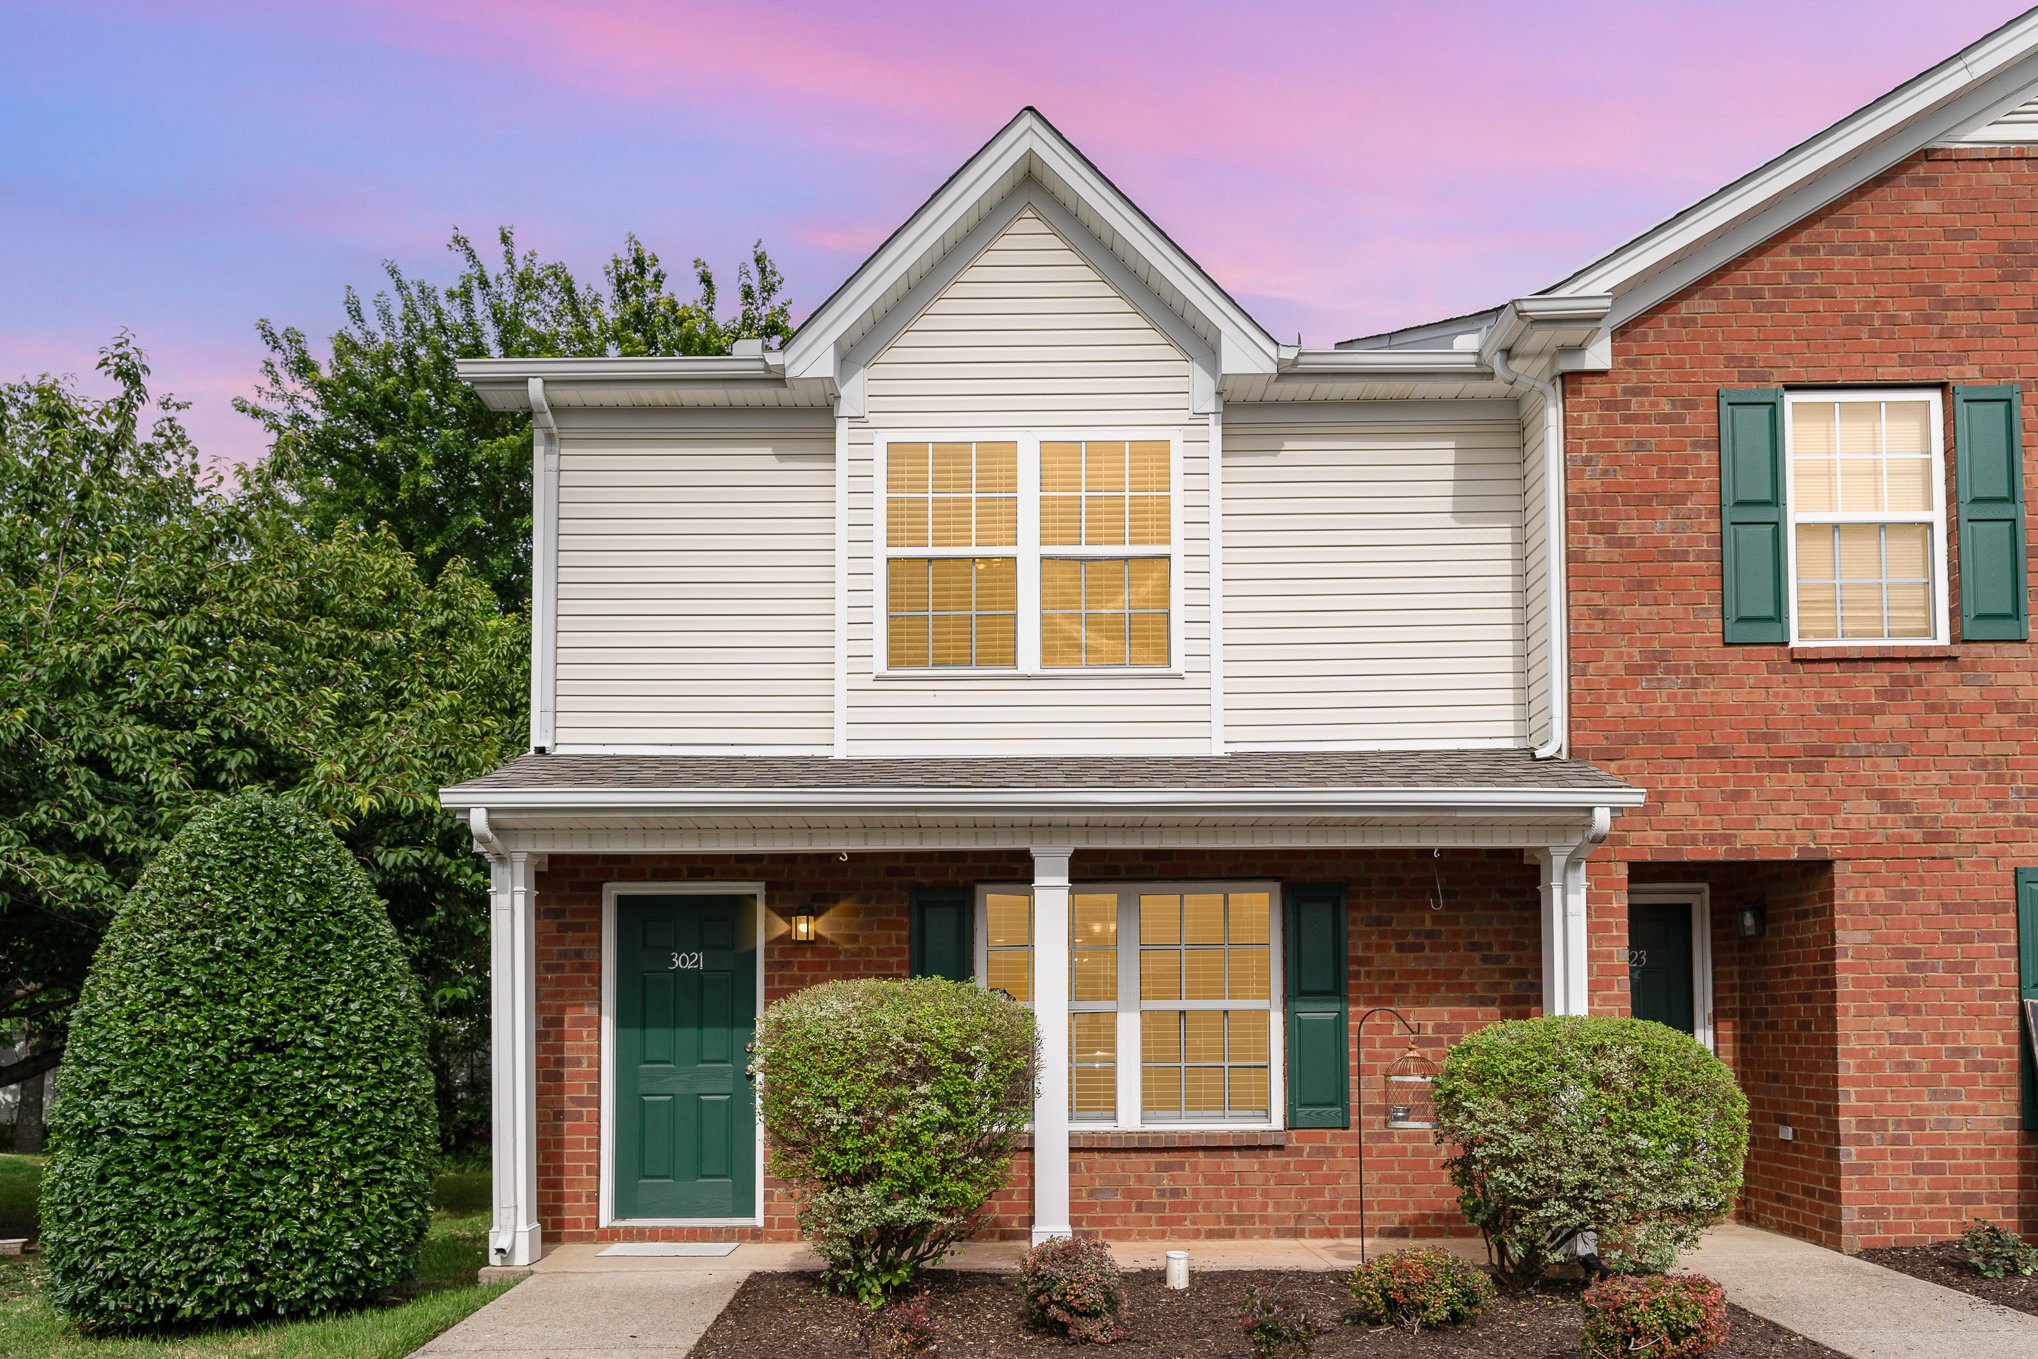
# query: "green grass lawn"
[[445, 1292]]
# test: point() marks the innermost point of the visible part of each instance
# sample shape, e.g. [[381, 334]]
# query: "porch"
[[1217, 1105]]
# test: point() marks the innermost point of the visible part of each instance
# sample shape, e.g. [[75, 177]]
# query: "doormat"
[[671, 1248]]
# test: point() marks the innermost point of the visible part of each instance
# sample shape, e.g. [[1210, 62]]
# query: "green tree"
[[383, 432], [163, 642]]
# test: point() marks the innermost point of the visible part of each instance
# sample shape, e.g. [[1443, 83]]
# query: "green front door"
[[1659, 963], [686, 1006]]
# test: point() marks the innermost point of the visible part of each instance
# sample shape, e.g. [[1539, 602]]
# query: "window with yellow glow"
[[1171, 1015], [955, 605], [980, 572], [1867, 517], [1104, 609]]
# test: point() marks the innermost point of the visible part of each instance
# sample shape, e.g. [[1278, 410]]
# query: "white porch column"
[[513, 1237], [1051, 1015], [1566, 931]]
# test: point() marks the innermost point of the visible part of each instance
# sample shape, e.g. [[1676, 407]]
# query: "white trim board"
[[605, 1213]]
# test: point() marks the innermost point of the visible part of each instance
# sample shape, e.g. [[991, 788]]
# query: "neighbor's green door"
[[686, 1006], [1659, 963]]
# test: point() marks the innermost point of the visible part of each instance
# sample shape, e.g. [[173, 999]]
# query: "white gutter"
[[484, 838], [1384, 363], [948, 802], [1556, 617]]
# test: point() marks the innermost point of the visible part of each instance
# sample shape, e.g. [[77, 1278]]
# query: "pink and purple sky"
[[1342, 168]]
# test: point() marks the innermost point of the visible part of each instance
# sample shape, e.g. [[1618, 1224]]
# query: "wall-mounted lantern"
[[1753, 920], [803, 925]]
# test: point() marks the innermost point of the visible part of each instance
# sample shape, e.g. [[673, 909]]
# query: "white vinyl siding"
[[697, 590], [1030, 340], [1374, 585]]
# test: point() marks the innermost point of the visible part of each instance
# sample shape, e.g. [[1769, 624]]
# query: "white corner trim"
[[841, 695], [1556, 621], [544, 567], [1215, 461], [605, 1214]]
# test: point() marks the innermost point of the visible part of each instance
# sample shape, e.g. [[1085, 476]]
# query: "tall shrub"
[[1566, 1124], [246, 1126], [892, 1107]]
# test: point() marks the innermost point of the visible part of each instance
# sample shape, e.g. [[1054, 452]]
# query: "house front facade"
[[1033, 616]]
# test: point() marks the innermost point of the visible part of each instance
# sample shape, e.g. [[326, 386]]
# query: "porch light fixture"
[[1753, 920], [803, 926]]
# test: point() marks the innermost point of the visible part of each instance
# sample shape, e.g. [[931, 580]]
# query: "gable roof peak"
[[1028, 149]]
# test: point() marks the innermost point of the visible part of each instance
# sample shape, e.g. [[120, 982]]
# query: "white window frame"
[[1028, 551], [1941, 550], [1130, 1008]]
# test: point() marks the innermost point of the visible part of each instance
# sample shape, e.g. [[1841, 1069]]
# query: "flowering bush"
[[1071, 1286], [1278, 1326], [1418, 1287], [1659, 1316]]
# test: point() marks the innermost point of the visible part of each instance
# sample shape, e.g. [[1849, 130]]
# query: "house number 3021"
[[685, 962]]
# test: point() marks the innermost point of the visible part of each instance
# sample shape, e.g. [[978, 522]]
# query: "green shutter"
[[1754, 602], [1988, 447], [938, 939], [1319, 1087], [2027, 987]]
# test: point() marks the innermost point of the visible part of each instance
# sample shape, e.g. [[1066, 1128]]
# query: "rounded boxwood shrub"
[[892, 1108], [1663, 1316], [1575, 1123], [1072, 1287], [246, 1126], [1420, 1286]]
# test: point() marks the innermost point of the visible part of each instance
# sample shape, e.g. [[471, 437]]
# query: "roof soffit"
[[1027, 148]]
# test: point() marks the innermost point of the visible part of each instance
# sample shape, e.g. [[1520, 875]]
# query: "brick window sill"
[[1874, 653], [1159, 1139]]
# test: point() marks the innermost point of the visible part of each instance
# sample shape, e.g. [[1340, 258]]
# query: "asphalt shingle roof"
[[1428, 769]]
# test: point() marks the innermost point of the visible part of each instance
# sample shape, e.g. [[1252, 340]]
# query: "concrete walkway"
[[1855, 1307], [597, 1314]]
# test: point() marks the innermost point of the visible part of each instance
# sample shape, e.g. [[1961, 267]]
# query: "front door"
[[686, 1006], [1660, 963]]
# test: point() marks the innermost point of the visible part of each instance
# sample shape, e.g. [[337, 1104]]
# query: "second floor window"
[[1029, 554], [1867, 516]]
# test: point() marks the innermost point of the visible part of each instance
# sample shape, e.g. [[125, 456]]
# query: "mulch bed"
[[1942, 1263], [785, 1316]]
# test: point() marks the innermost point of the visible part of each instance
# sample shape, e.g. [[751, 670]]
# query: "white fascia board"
[[812, 352], [1907, 119], [941, 804], [1386, 364], [505, 383]]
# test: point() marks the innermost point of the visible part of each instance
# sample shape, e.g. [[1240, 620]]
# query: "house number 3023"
[[685, 962]]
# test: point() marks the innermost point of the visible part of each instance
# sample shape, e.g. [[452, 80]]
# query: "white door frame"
[[1698, 896], [606, 1215]]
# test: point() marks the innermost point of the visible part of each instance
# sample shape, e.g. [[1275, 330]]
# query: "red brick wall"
[[1476, 960], [1910, 775]]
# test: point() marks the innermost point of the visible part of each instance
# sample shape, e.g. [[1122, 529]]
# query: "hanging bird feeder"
[[1410, 1093]]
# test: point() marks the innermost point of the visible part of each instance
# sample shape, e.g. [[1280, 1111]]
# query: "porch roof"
[[1320, 781]]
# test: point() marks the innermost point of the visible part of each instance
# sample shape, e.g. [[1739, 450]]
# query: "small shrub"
[[1566, 1124], [1660, 1316], [899, 1330], [1996, 1252], [1072, 1287], [1418, 1287], [246, 1128], [1278, 1326], [892, 1108]]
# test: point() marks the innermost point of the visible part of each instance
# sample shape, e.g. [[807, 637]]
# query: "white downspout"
[[544, 566], [1556, 613]]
